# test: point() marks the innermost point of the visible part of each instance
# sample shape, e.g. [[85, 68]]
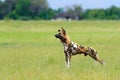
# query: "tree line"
[[40, 9]]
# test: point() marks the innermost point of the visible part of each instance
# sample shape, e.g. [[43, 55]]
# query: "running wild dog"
[[71, 48]]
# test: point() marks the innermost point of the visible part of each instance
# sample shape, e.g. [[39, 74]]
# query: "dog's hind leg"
[[93, 53], [96, 58]]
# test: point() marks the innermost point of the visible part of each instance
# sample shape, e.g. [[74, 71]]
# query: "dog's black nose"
[[56, 36]]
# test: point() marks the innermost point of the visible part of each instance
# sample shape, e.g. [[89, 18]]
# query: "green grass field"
[[29, 50]]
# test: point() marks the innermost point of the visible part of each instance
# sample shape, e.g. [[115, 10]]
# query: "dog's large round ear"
[[64, 32]]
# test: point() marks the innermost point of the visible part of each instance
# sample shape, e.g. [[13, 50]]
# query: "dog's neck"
[[66, 41]]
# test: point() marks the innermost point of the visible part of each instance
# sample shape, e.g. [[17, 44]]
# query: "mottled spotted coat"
[[71, 48]]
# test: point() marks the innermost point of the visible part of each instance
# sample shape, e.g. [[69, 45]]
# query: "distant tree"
[[38, 7], [1, 10], [113, 12], [60, 10], [69, 11], [29, 9], [97, 14], [74, 11], [12, 15], [110, 13], [46, 15], [78, 11], [10, 5], [85, 14], [50, 14], [22, 8], [6, 7]]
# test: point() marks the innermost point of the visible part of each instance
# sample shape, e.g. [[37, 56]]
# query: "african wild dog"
[[71, 48]]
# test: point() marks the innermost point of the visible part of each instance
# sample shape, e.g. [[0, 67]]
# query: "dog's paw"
[[103, 63]]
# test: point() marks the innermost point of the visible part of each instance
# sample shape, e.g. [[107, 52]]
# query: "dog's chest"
[[72, 48]]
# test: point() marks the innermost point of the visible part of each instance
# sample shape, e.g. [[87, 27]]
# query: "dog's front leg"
[[67, 59]]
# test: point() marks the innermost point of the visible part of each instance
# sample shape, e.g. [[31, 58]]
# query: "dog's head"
[[61, 35]]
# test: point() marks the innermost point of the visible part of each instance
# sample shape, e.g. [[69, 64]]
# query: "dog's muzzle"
[[57, 36]]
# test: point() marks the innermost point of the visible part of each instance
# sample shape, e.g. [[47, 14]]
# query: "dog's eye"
[[59, 30]]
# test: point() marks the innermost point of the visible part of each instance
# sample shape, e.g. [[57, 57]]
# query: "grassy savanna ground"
[[29, 50]]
